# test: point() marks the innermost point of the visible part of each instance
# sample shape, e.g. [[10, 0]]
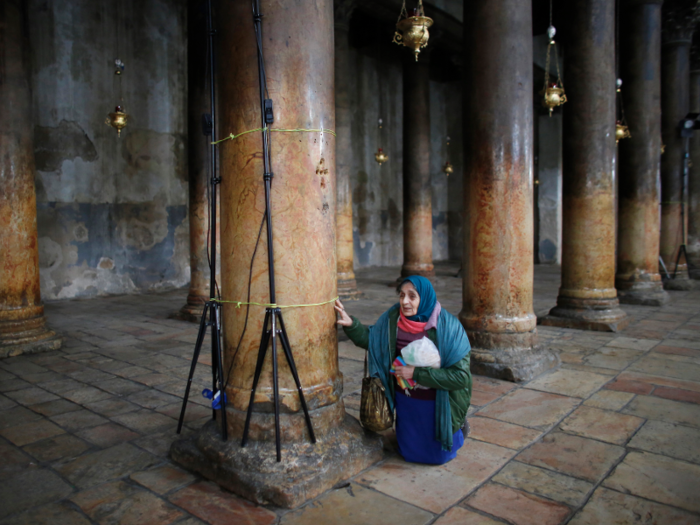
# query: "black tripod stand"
[[273, 326], [212, 309]]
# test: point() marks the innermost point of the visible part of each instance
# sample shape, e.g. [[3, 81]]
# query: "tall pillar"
[[497, 309], [638, 280], [417, 190], [587, 296], [297, 40], [22, 322], [693, 246], [198, 162], [347, 285], [675, 83]]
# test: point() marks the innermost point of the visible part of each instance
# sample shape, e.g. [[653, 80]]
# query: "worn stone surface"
[[31, 487], [604, 425], [162, 479], [462, 516], [609, 400], [501, 433], [571, 383], [650, 407], [516, 506], [676, 441], [530, 408], [52, 513], [658, 478]]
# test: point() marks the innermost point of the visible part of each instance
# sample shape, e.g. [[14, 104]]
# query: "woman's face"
[[409, 300]]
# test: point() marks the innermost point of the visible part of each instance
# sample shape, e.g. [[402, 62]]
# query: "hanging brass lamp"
[[380, 156], [621, 132], [412, 31], [117, 120], [553, 92], [448, 169]]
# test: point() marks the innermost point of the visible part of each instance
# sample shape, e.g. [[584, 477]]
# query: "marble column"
[[587, 296], [198, 162], [693, 245], [347, 285], [299, 63], [417, 190], [22, 321], [638, 280], [497, 309], [675, 82]]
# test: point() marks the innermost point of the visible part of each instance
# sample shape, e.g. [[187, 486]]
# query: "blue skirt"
[[415, 432]]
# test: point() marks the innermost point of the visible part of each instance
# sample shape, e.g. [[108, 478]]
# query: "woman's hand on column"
[[344, 319]]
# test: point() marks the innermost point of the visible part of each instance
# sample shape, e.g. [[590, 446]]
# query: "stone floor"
[[611, 437]]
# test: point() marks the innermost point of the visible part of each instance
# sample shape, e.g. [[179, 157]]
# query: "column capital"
[[678, 19]]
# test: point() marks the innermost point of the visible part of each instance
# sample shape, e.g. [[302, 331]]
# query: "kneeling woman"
[[429, 417]]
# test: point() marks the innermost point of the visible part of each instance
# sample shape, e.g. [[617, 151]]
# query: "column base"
[[28, 336], [347, 290], [647, 293], [192, 311], [306, 470], [600, 315], [509, 356], [681, 283]]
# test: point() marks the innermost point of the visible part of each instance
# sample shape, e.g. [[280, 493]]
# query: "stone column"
[[587, 297], [675, 82], [638, 280], [417, 192], [22, 322], [693, 245], [497, 307], [347, 285], [198, 162], [300, 83]]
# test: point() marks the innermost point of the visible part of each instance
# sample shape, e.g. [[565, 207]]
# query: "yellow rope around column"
[[273, 305], [320, 130]]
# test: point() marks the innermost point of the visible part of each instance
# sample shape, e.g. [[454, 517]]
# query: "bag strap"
[[366, 374]]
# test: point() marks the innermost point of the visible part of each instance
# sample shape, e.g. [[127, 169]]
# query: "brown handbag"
[[375, 414]]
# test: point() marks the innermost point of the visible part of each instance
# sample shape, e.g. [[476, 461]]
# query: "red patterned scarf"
[[412, 327]]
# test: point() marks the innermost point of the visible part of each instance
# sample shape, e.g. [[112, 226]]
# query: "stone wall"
[[112, 212]]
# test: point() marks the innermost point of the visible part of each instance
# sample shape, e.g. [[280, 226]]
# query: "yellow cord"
[[232, 136], [273, 305]]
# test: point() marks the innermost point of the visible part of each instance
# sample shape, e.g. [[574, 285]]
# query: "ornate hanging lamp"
[[447, 168], [380, 156], [622, 130], [412, 31], [553, 92], [118, 118]]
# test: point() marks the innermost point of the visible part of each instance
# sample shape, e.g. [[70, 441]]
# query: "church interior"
[[187, 186]]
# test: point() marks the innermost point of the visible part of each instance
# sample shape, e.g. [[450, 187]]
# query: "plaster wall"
[[112, 212], [377, 91]]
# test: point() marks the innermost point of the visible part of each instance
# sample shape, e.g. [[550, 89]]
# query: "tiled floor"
[[611, 437]]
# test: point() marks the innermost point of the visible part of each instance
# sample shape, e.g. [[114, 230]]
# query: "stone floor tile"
[[163, 479], [121, 387], [159, 444], [519, 508], [57, 448], [22, 367], [54, 514], [501, 433], [355, 505], [218, 507], [347, 350], [192, 413], [610, 372], [612, 358], [85, 394], [530, 408], [491, 386], [146, 421], [650, 407], [677, 350], [667, 439], [62, 386], [576, 456], [112, 406], [609, 399], [30, 488], [462, 516], [677, 394], [651, 364], [612, 508], [12, 459], [153, 399], [74, 421], [107, 435], [105, 465], [17, 416], [119, 503], [631, 387], [6, 402], [480, 398], [437, 488], [633, 344], [660, 381], [569, 383], [603, 425], [153, 379], [27, 433], [658, 478], [133, 371], [55, 408], [31, 396], [542, 482], [43, 377]]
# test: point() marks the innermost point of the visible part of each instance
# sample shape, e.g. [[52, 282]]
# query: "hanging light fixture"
[[447, 168], [380, 156], [118, 118], [412, 31], [622, 130], [553, 92]]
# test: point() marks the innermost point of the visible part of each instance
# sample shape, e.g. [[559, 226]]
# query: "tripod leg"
[[195, 357], [216, 337], [678, 260], [295, 374], [275, 389], [264, 340]]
